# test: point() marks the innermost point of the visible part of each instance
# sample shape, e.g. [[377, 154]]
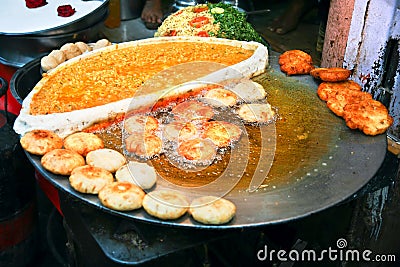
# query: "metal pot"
[[24, 79], [19, 49]]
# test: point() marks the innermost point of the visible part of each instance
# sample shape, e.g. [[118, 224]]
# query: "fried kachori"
[[221, 133], [198, 150], [83, 142], [62, 161], [329, 89], [165, 204], [256, 113], [39, 142], [122, 196], [212, 210], [337, 102], [108, 159], [139, 173], [90, 179], [143, 145]]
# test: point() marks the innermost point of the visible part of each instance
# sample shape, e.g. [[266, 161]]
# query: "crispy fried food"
[[83, 143], [329, 89], [259, 113], [106, 158], [141, 123], [370, 116], [221, 133], [143, 145], [179, 131], [220, 97], [165, 204], [192, 110], [122, 196], [337, 103], [331, 74], [139, 173], [249, 91], [90, 179], [212, 210], [62, 161], [198, 149], [294, 62], [39, 142]]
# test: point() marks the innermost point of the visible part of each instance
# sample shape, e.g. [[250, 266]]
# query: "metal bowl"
[[19, 49]]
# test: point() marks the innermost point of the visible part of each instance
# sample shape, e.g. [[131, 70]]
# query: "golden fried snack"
[[221, 133], [58, 55], [178, 131], [198, 149], [139, 173], [83, 47], [122, 196], [143, 145], [212, 210], [48, 62], [165, 204], [140, 123], [249, 91], [331, 74], [106, 158], [83, 143], [337, 103], [258, 113], [70, 50], [370, 116], [329, 89], [90, 179], [101, 43], [39, 142], [192, 110], [62, 161], [220, 97], [294, 62]]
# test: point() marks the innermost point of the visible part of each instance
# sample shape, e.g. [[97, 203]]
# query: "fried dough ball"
[[294, 62], [141, 123], [143, 145], [83, 47], [212, 210], [101, 43], [70, 50], [165, 204], [329, 89], [90, 179], [220, 97], [58, 55], [39, 142], [122, 196], [47, 63], [198, 149], [337, 103], [62, 161], [331, 74], [250, 91], [178, 131], [256, 113], [192, 110], [221, 133], [83, 143], [370, 116], [106, 158]]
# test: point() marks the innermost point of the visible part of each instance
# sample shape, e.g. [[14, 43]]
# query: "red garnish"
[[200, 9], [199, 21], [171, 33], [203, 34], [65, 11], [35, 3], [178, 13]]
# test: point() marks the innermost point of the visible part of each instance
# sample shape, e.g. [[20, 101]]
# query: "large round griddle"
[[349, 163]]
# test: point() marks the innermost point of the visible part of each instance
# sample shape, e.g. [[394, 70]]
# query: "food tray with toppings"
[[318, 162]]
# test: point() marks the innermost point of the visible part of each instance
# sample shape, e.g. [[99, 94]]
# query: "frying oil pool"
[[303, 137]]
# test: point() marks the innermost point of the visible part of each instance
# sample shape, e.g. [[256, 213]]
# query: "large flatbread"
[[69, 122]]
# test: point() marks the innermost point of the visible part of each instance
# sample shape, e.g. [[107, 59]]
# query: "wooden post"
[[337, 32]]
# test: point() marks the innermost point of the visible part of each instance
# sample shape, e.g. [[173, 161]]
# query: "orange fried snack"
[[331, 74], [337, 102], [329, 89], [295, 62], [369, 116]]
